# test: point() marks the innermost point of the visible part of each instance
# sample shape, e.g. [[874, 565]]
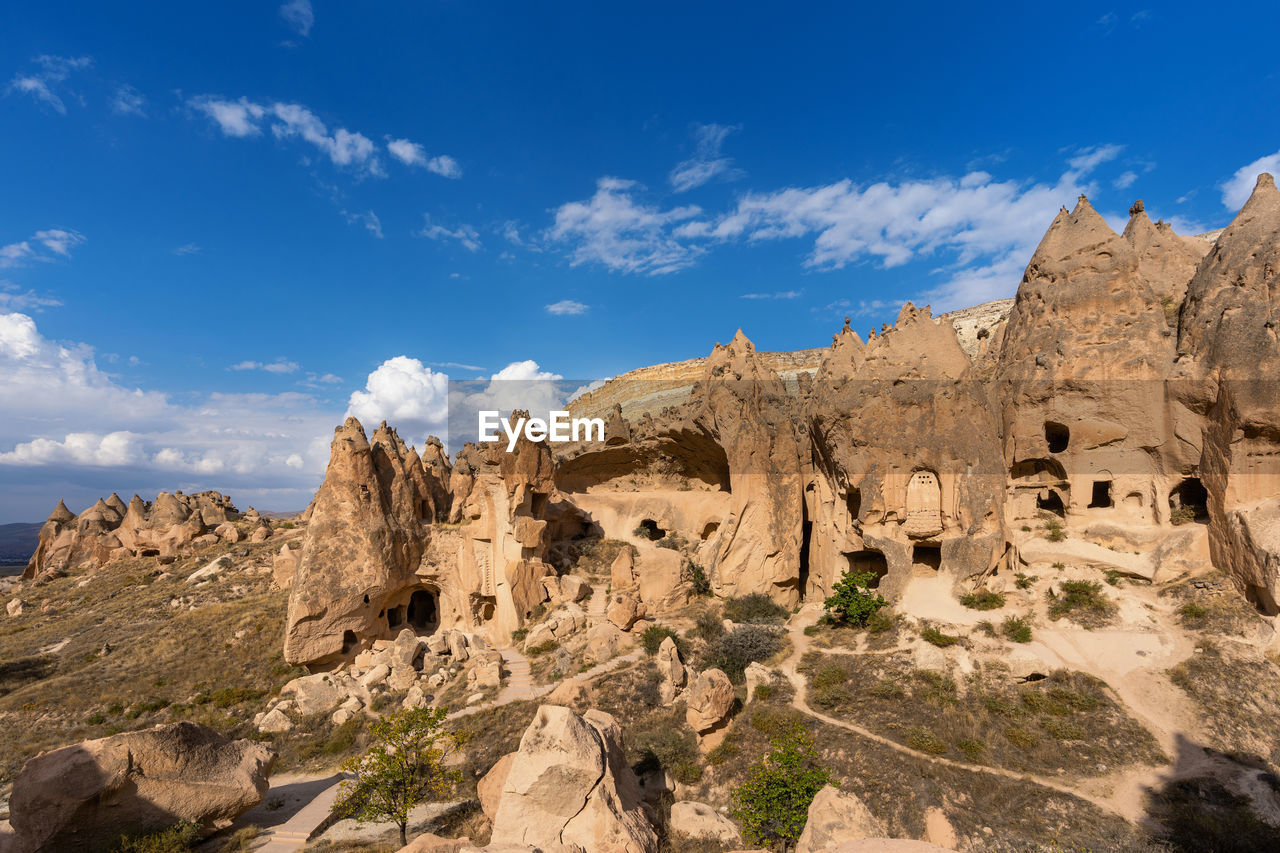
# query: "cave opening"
[[926, 558], [395, 616], [1192, 498], [709, 529], [1051, 502], [423, 612], [650, 530], [853, 500], [1057, 436], [349, 641], [1101, 496], [806, 532], [870, 561]]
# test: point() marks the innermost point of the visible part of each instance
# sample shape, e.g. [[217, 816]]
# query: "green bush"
[[542, 648], [665, 741], [178, 838], [697, 577], [1083, 601], [518, 635], [983, 600], [653, 636], [882, 620], [755, 609], [773, 803], [1182, 515], [1016, 628], [735, 651], [709, 624], [937, 638], [1053, 530], [1193, 614], [923, 740], [852, 602], [1023, 581]]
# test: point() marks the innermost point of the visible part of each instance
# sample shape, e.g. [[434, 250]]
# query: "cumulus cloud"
[[243, 118], [128, 101], [615, 230], [1237, 189], [280, 365], [707, 163], [65, 418], [464, 234], [406, 394], [44, 85], [413, 154], [40, 246], [299, 15], [567, 306]]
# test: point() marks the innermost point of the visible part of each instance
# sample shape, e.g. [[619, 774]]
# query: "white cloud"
[[299, 15], [464, 234], [280, 365], [44, 85], [613, 229], [368, 219], [128, 101], [1089, 159], [13, 298], [413, 154], [188, 249], [1125, 180], [781, 294], [707, 163], [1237, 189], [243, 118], [82, 448], [41, 246], [406, 394], [567, 306]]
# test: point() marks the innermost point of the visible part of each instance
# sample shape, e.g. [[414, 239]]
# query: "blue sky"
[[227, 225]]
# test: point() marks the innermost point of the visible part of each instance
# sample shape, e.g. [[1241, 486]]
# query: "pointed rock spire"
[[61, 514]]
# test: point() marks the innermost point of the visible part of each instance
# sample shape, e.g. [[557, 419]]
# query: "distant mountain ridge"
[[18, 542]]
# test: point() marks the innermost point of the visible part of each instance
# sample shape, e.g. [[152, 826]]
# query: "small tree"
[[773, 804], [403, 767], [852, 602]]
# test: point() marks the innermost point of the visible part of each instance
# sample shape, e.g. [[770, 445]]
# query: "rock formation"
[[85, 797], [110, 530], [569, 784]]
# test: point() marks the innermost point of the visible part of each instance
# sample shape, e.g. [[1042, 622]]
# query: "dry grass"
[[491, 734], [131, 659], [1240, 698], [1226, 613], [899, 788], [1067, 722]]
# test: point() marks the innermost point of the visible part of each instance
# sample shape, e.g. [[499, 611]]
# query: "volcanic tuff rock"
[[110, 529], [570, 784], [85, 797]]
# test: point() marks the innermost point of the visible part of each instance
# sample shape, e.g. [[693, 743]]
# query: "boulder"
[[623, 611], [710, 701], [375, 676], [275, 721], [84, 797], [489, 787], [228, 532], [757, 674], [15, 607], [285, 566], [836, 817], [603, 642], [569, 788], [699, 821], [671, 670], [431, 843], [406, 651], [622, 570], [319, 693], [574, 588]]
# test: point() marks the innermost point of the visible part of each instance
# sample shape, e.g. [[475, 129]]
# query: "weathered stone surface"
[[757, 674], [489, 788], [836, 817], [701, 821], [569, 784], [710, 700], [622, 570], [623, 611], [671, 670], [84, 797]]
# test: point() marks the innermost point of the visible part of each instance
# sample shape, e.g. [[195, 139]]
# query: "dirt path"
[[801, 644]]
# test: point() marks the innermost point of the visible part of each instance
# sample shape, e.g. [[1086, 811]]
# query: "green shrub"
[[697, 578], [1021, 738], [1062, 729], [735, 651], [830, 674], [709, 624], [923, 740], [664, 740], [178, 838], [1023, 581], [773, 803], [1053, 530], [937, 638], [972, 747], [987, 628], [653, 636], [852, 602], [518, 635], [1016, 628], [1193, 614], [983, 600], [1083, 601], [755, 609], [1182, 515]]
